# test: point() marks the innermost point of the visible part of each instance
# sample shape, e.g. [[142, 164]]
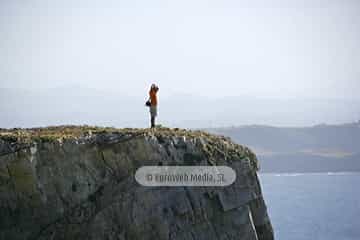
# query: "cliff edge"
[[72, 182]]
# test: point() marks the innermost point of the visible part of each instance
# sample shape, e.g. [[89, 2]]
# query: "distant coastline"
[[321, 148]]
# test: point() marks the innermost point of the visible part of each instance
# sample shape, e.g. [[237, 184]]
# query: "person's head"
[[154, 87]]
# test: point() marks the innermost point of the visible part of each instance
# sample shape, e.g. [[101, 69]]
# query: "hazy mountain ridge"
[[320, 148], [81, 105]]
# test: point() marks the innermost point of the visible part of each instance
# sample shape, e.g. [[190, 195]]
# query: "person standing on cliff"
[[153, 103]]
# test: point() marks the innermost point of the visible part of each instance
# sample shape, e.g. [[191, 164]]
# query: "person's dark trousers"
[[152, 122]]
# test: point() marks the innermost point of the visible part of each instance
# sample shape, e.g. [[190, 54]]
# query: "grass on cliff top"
[[53, 133]]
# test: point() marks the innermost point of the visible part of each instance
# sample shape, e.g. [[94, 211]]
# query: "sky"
[[274, 48], [278, 49]]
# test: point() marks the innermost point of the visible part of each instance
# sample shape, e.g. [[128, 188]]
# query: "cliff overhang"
[[72, 182]]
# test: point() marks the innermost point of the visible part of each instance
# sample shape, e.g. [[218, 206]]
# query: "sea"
[[313, 206]]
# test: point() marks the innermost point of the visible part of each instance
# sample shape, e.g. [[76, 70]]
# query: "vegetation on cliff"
[[77, 182], [216, 145]]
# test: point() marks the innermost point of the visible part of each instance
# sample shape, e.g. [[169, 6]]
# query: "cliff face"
[[78, 183]]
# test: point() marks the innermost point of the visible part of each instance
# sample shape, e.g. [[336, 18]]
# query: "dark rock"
[[83, 187]]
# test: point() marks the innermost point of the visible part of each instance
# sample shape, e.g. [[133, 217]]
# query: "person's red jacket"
[[153, 97]]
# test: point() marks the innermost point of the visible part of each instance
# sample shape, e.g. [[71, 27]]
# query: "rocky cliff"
[[78, 183]]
